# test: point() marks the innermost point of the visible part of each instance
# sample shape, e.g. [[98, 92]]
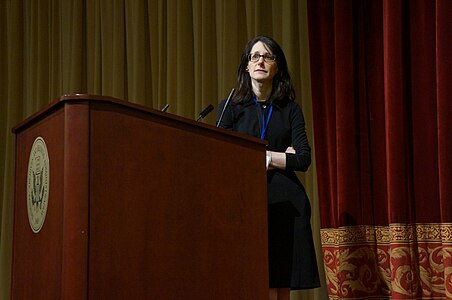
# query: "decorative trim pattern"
[[399, 261]]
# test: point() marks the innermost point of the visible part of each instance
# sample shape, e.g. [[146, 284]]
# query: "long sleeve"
[[301, 160]]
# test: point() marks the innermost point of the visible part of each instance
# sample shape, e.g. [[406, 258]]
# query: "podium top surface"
[[87, 99]]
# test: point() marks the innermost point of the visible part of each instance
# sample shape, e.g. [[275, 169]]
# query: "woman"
[[264, 106]]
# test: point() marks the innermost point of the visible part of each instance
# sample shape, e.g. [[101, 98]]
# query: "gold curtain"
[[181, 52]]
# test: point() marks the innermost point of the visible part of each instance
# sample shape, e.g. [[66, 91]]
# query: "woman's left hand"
[[290, 150]]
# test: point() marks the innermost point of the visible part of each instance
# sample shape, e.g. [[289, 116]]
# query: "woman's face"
[[264, 69]]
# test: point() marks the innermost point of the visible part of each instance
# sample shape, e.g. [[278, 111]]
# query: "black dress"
[[292, 259]]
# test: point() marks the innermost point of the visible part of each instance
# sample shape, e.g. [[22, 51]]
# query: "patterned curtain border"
[[399, 261]]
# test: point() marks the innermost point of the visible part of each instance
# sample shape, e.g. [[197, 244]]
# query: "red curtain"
[[382, 96]]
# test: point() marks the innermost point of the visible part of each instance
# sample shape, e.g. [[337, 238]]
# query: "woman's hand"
[[277, 160], [290, 150]]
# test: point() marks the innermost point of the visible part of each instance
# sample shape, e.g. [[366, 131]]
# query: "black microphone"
[[165, 107], [225, 106], [205, 112]]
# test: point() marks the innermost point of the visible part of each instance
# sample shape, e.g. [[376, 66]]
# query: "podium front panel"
[[181, 210]]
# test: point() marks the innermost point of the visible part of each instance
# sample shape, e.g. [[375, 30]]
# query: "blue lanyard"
[[264, 120]]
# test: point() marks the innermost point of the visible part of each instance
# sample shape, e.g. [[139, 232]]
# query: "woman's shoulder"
[[288, 105], [242, 104]]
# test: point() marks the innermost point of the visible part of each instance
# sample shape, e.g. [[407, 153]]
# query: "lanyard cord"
[[264, 120]]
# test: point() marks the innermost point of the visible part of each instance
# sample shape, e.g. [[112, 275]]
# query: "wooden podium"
[[141, 205]]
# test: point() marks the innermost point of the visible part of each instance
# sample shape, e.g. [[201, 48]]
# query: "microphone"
[[165, 107], [205, 112], [225, 106]]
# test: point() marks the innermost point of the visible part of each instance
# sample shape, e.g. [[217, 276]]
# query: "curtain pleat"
[[398, 141], [70, 47], [151, 52], [443, 34]]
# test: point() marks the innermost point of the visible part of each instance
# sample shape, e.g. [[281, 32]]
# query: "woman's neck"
[[261, 90]]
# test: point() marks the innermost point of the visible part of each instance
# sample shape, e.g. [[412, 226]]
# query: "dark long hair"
[[282, 90]]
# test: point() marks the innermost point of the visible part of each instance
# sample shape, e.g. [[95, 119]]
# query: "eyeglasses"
[[269, 58]]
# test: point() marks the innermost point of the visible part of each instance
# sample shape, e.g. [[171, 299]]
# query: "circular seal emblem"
[[38, 184]]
